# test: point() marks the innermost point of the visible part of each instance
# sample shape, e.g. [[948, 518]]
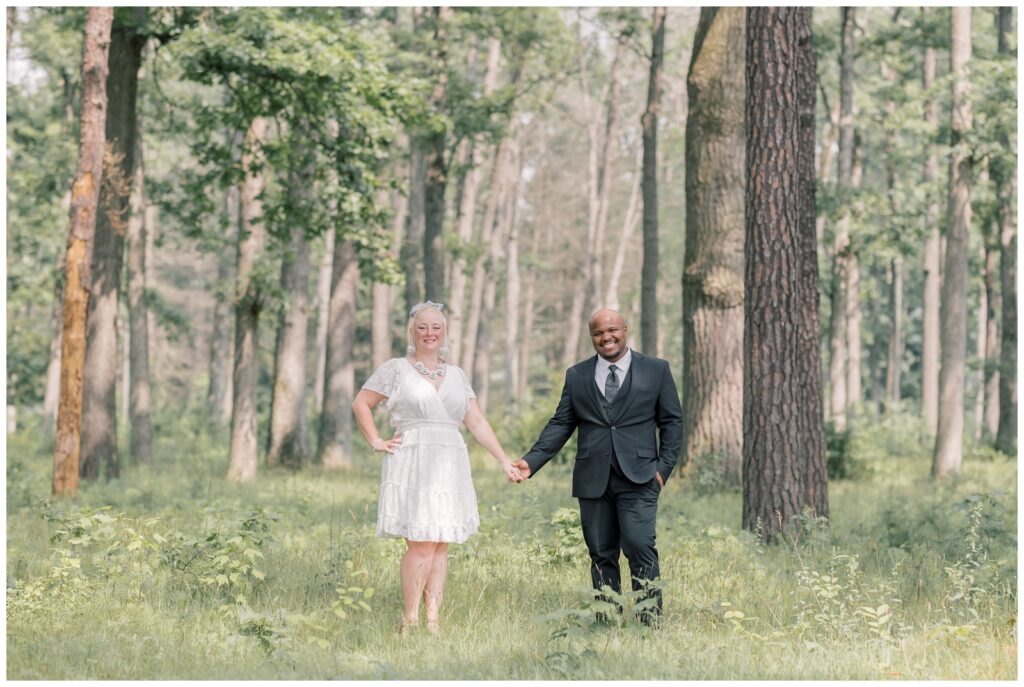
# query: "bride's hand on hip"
[[389, 446]]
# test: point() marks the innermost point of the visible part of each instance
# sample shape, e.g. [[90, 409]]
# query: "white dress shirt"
[[601, 371]]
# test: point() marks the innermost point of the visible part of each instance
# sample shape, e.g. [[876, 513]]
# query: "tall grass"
[[171, 573]]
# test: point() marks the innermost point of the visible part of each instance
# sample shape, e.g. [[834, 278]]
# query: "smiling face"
[[428, 331], [608, 334]]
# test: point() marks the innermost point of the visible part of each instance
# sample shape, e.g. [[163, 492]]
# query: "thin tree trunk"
[[948, 455], [629, 224], [323, 300], [649, 121], [512, 290], [529, 304], [141, 430], [219, 394], [99, 396], [992, 341], [243, 462], [1004, 174], [713, 264], [930, 340], [895, 363], [838, 334], [85, 192], [981, 341], [467, 216], [287, 443], [412, 247], [335, 450], [854, 395], [437, 167], [51, 393], [774, 473]]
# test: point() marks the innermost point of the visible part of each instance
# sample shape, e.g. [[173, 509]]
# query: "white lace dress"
[[426, 489]]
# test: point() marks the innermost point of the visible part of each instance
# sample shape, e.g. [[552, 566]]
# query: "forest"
[[219, 218]]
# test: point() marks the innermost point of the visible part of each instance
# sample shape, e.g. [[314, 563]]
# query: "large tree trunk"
[[1004, 174], [810, 408], [467, 217], [838, 331], [713, 264], [287, 444], [141, 429], [895, 357], [248, 305], [335, 450], [85, 192], [99, 398], [948, 454], [649, 272], [219, 392], [774, 459], [437, 166], [930, 342]]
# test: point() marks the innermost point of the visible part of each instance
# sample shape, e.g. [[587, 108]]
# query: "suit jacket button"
[[613, 429]]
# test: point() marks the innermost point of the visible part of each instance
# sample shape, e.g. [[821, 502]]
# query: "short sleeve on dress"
[[384, 379], [465, 383]]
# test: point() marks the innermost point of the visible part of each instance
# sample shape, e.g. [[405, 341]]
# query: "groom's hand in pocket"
[[524, 467]]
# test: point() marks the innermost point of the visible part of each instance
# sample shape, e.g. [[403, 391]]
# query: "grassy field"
[[171, 573]]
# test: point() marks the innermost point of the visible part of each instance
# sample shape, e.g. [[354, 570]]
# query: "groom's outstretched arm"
[[554, 435]]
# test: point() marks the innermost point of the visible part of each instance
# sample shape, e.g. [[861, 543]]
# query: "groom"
[[617, 399]]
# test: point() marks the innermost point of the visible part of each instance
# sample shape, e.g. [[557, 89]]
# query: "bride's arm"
[[481, 430], [362, 408]]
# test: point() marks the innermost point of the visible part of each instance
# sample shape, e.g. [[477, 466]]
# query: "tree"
[[930, 341], [839, 334], [649, 273], [84, 203], [141, 431], [1004, 174], [249, 301], [99, 407], [713, 264], [335, 447], [287, 443], [775, 471], [948, 454], [219, 395], [436, 163]]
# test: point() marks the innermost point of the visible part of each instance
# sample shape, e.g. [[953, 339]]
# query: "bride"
[[426, 491]]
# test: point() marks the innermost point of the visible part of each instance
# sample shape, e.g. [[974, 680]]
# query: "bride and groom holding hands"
[[624, 405]]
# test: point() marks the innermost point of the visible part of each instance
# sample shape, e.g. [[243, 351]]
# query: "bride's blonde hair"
[[415, 310]]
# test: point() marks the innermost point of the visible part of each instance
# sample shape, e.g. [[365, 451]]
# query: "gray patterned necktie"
[[611, 384]]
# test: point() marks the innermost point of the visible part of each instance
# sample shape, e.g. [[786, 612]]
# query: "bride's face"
[[429, 331]]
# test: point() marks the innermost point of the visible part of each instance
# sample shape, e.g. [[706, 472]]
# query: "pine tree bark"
[[774, 461], [839, 331], [810, 406], [219, 393], [649, 122], [335, 446], [930, 341], [141, 429], [1004, 174], [252, 236], [85, 191], [437, 166], [99, 397], [467, 217], [287, 442], [713, 264], [948, 455]]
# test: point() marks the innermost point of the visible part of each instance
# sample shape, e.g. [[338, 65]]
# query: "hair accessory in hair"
[[422, 306]]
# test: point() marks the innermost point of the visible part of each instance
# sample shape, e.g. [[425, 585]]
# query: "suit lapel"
[[637, 369], [590, 387]]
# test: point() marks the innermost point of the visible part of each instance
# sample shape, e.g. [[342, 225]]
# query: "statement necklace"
[[432, 374]]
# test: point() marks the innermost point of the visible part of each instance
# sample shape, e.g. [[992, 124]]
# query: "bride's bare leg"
[[414, 571], [433, 592]]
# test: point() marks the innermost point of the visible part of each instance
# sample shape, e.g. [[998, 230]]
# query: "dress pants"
[[623, 519]]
